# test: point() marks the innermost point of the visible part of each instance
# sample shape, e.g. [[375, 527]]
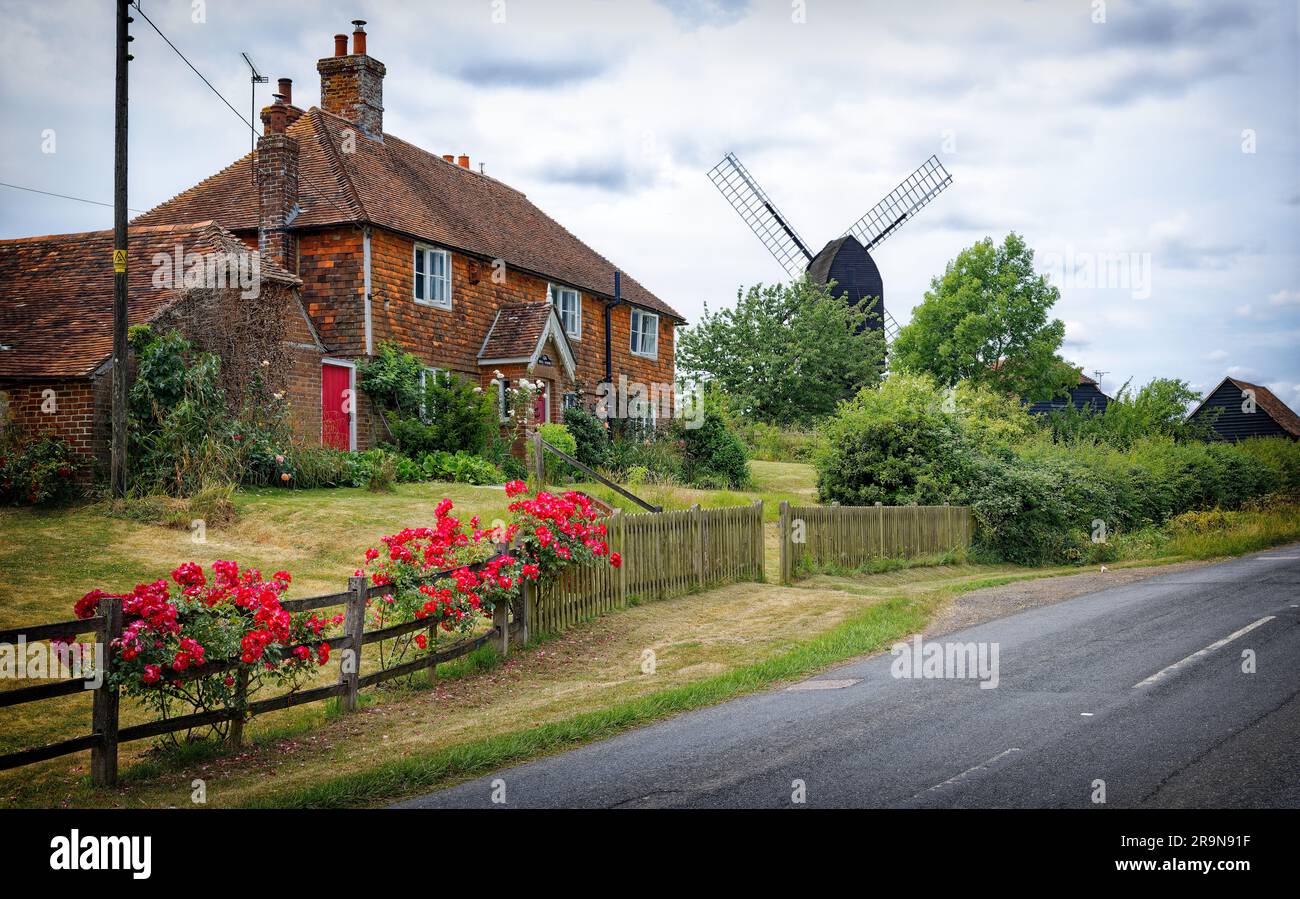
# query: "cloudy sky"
[[1168, 132]]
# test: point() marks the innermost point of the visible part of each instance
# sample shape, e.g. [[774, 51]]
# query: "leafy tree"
[[985, 320], [785, 354]]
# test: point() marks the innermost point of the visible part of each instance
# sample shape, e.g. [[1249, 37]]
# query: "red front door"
[[539, 410], [336, 406]]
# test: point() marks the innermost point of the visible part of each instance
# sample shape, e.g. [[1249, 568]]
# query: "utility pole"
[[119, 253]]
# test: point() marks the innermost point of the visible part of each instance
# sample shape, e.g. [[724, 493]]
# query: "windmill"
[[847, 259]]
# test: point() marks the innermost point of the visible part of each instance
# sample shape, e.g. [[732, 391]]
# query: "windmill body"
[[847, 260], [846, 263]]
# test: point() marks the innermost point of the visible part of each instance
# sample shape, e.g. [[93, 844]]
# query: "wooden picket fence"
[[852, 535], [664, 554]]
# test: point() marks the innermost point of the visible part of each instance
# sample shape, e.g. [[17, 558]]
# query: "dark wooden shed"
[[1084, 394], [1247, 410]]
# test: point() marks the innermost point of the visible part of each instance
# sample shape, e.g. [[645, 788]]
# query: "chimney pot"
[[359, 37], [286, 90], [340, 45], [447, 157], [463, 161]]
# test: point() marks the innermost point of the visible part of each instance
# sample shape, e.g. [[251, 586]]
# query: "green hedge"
[[1036, 501]]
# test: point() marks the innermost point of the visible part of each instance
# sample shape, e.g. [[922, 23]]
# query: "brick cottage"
[[362, 239]]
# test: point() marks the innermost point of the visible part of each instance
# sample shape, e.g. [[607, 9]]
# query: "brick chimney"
[[277, 185], [352, 85]]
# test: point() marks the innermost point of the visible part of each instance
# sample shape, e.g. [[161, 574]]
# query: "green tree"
[[985, 320], [785, 354]]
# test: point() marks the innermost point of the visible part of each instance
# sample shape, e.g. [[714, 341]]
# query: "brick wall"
[[67, 410], [452, 338]]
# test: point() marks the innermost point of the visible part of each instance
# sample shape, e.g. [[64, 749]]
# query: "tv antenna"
[[256, 79]]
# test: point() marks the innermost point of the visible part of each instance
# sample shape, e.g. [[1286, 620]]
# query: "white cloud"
[[1216, 355]]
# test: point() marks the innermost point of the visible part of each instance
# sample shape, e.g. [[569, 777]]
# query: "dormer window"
[[568, 304], [432, 276]]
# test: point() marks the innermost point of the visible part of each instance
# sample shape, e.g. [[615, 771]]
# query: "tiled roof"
[[1277, 410], [56, 318], [515, 331], [399, 186]]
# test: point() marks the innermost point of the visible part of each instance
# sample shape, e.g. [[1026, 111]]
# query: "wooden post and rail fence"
[[107, 733]]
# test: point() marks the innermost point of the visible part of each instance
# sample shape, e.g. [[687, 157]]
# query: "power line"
[[48, 193], [191, 65], [247, 124]]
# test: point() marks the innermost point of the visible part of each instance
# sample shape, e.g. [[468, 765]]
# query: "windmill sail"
[[903, 202], [772, 228]]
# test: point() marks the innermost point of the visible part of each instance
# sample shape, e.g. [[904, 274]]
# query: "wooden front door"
[[336, 406]]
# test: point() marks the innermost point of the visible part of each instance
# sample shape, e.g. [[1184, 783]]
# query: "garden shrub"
[[713, 456], [894, 445], [200, 617], [462, 468], [775, 443], [591, 439], [550, 533], [392, 380], [38, 471], [1280, 454], [558, 436], [658, 454]]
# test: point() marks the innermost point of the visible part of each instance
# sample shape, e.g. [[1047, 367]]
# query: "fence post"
[[501, 621], [539, 459], [760, 574], [236, 736], [103, 756], [620, 527], [522, 624], [697, 520], [354, 627], [783, 535], [881, 509]]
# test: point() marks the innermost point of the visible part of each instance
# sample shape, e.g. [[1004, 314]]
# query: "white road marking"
[[1202, 653], [825, 684], [1086, 714], [1277, 558], [969, 771]]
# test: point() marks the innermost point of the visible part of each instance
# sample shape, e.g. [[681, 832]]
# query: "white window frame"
[[429, 279], [555, 293], [653, 333], [429, 371]]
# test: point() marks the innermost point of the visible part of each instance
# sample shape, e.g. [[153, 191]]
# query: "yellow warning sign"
[[119, 260]]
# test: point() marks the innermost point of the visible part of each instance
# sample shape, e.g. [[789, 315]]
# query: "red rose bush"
[[173, 629], [429, 574]]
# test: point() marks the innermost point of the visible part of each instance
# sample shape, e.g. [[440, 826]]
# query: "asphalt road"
[[1113, 686]]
